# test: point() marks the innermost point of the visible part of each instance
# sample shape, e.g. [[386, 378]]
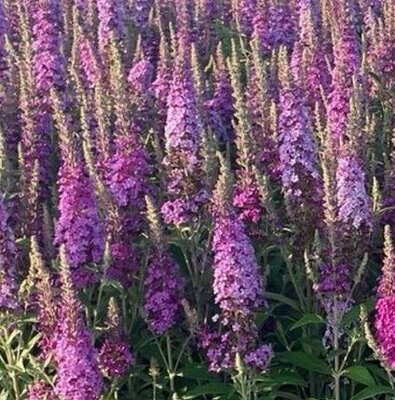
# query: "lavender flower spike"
[[238, 288], [354, 205], [163, 284], [79, 227], [8, 253], [78, 375], [385, 306], [302, 183]]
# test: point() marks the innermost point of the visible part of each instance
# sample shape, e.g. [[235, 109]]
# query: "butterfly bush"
[[76, 360], [384, 320], [8, 266], [79, 228], [193, 196]]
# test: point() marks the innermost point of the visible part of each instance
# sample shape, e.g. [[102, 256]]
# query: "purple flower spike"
[[163, 287], [354, 204], [78, 374], [385, 306], [302, 183], [8, 254], [111, 21], [238, 288], [183, 126], [79, 227], [115, 358], [41, 390]]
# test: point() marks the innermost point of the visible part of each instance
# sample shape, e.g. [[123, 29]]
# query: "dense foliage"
[[197, 199]]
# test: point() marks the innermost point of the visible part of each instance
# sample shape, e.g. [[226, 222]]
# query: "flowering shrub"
[[197, 199]]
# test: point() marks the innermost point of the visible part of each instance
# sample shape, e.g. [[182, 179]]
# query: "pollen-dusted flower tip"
[[78, 375], [8, 254], [79, 227], [353, 202]]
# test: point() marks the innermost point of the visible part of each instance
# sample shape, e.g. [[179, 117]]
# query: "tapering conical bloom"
[[237, 284], [346, 47], [48, 63], [183, 127], [310, 57], [46, 302], [247, 197], [79, 227], [238, 288], [301, 180], [163, 292], [41, 390], [354, 205], [128, 172], [140, 84], [78, 374], [260, 104], [111, 21], [3, 51], [261, 27], [161, 85], [220, 108], [282, 25], [90, 67], [115, 356], [385, 306], [163, 284], [8, 254], [347, 64], [140, 77], [49, 73], [183, 130]]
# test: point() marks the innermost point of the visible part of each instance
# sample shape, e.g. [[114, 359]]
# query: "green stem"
[[337, 371], [170, 369]]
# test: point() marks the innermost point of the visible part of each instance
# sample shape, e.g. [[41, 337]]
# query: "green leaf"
[[305, 361], [210, 388], [370, 392], [282, 378], [197, 372], [360, 374], [354, 313], [308, 319], [282, 299]]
